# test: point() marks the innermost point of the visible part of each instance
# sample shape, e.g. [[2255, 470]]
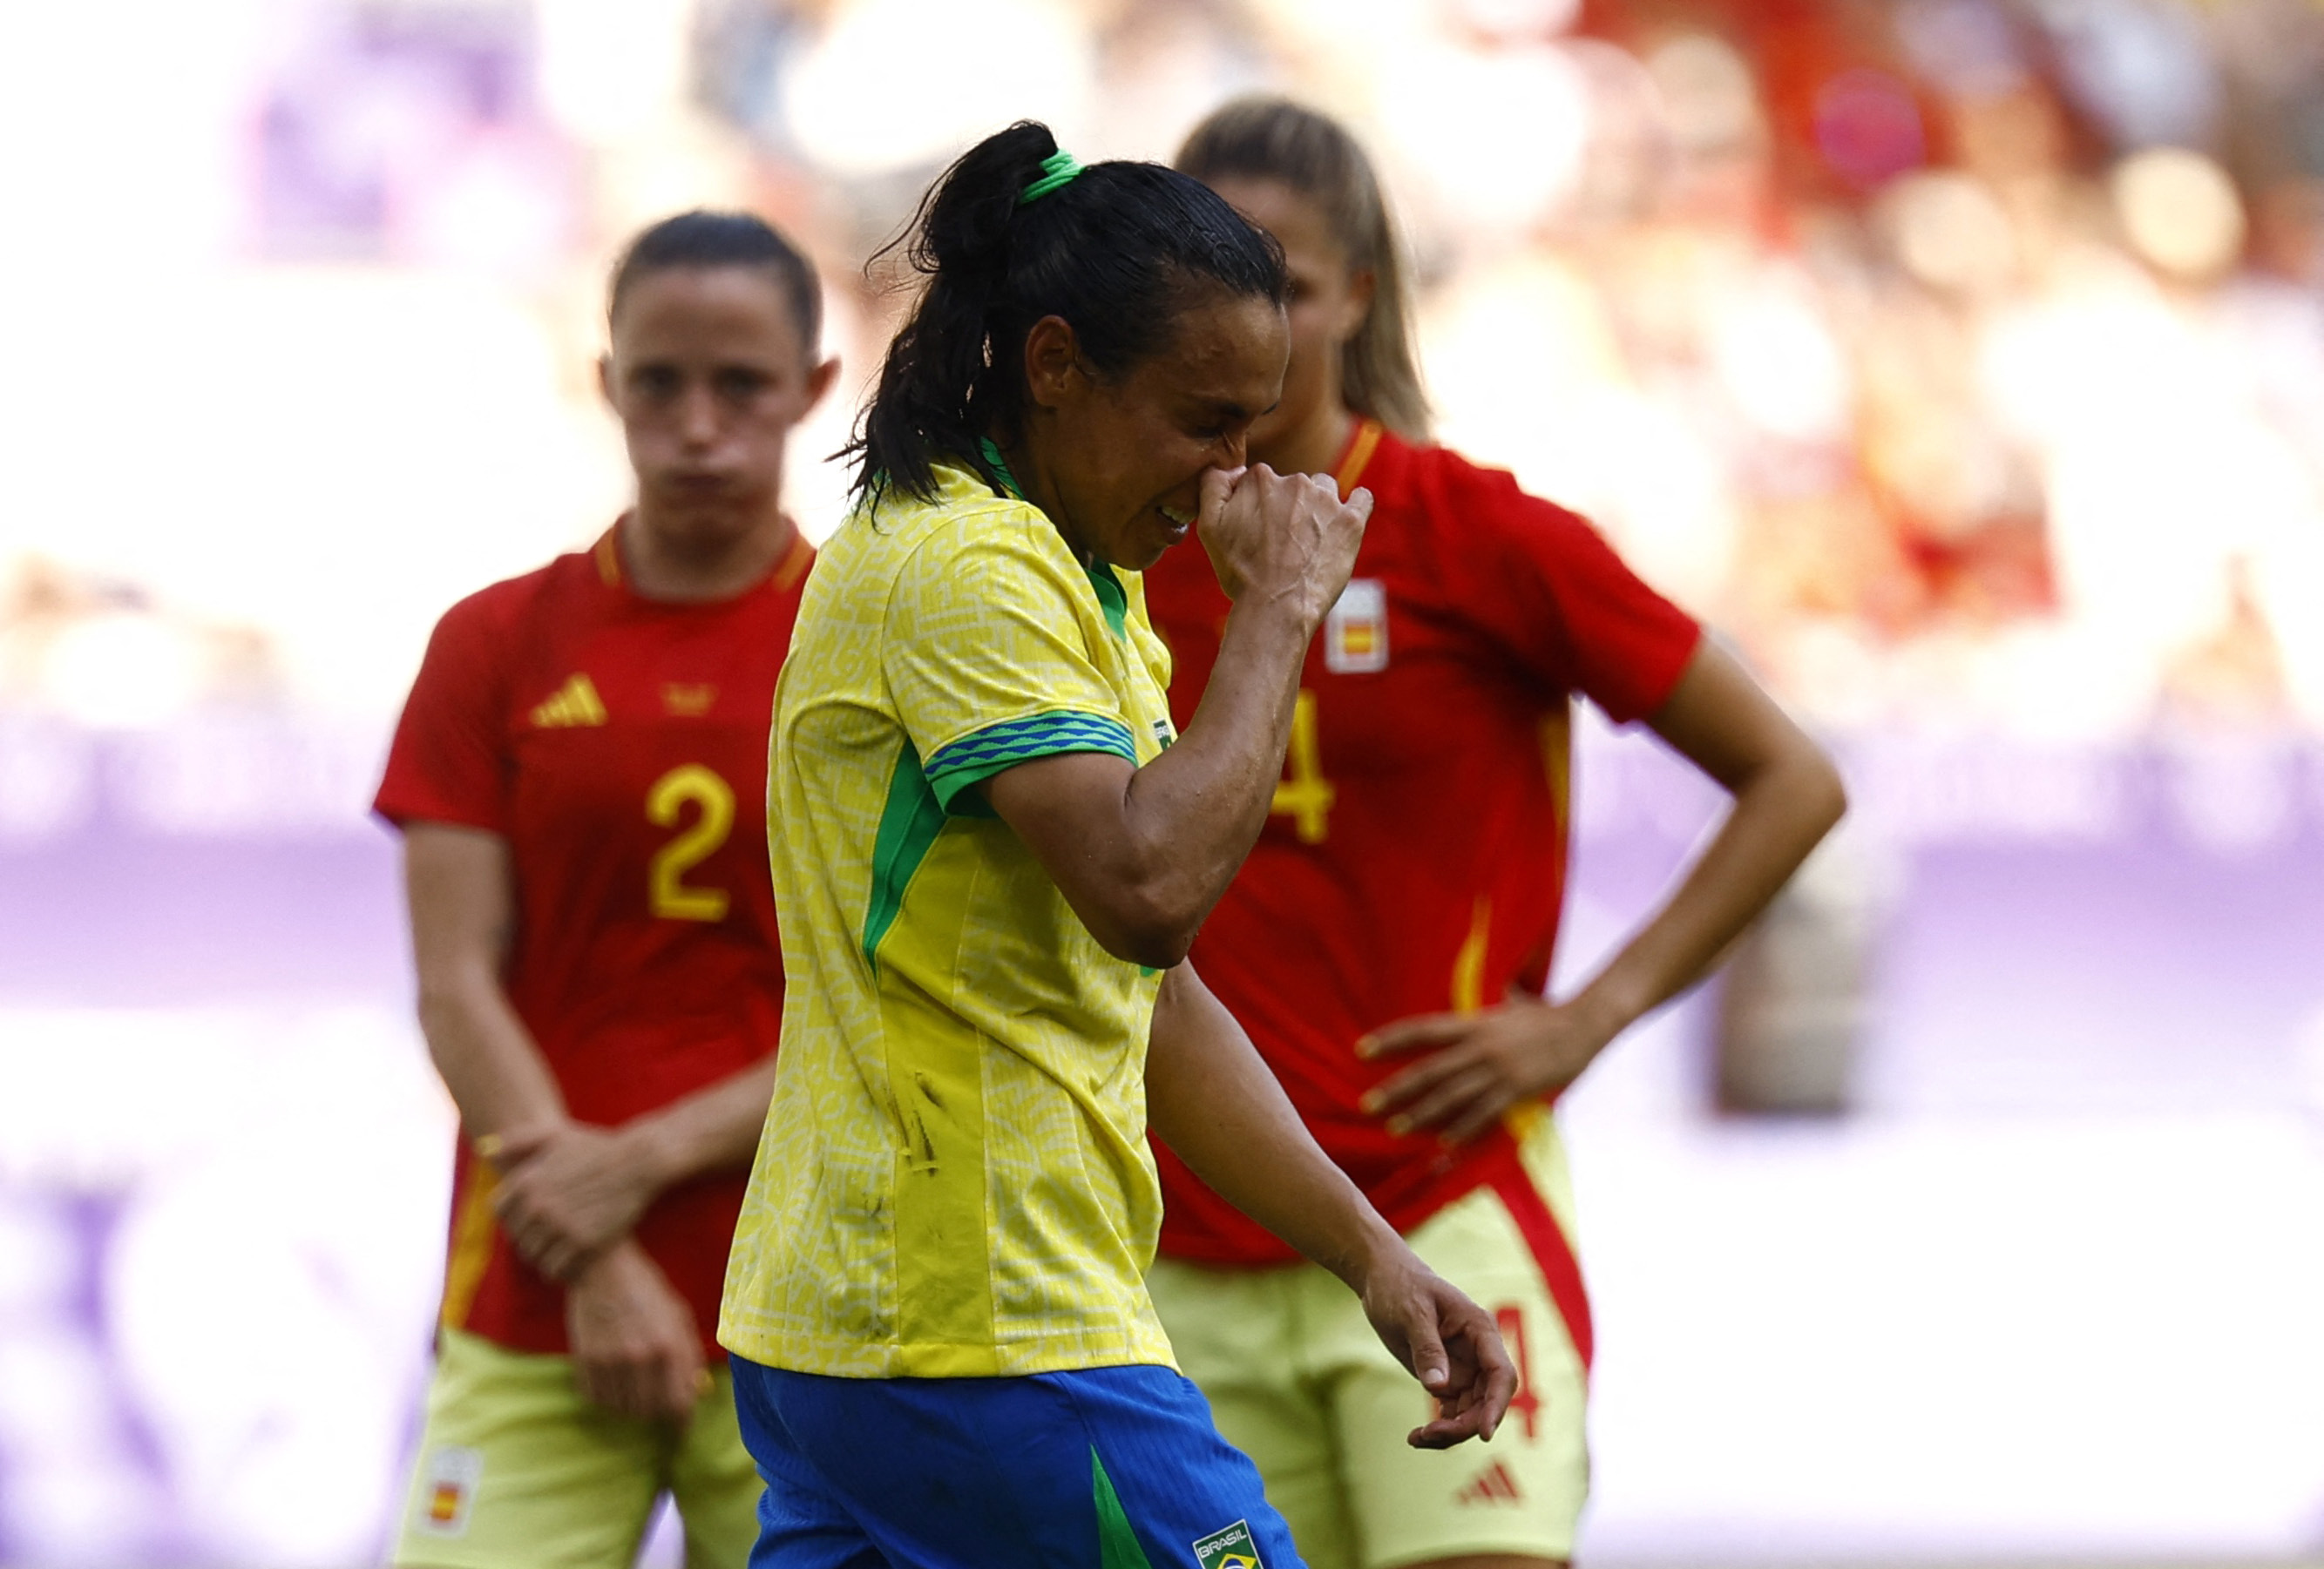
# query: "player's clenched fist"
[[1285, 537]]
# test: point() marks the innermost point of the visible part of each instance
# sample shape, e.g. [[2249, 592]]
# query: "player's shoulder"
[[967, 539], [505, 609], [1478, 515], [1477, 495]]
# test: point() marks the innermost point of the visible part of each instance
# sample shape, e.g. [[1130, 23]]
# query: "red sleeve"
[[448, 761], [1546, 586]]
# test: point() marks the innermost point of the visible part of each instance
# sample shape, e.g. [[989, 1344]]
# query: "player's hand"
[[568, 1191], [1285, 537], [1446, 1342], [1480, 1064], [635, 1346]]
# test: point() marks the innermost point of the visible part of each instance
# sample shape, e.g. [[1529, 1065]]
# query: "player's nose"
[[697, 416]]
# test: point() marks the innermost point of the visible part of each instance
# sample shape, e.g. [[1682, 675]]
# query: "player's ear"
[[819, 381], [1051, 361]]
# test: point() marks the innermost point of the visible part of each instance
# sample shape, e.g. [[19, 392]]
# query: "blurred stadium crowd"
[[1962, 358]]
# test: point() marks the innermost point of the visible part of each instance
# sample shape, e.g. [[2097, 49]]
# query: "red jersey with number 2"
[[1414, 860], [619, 745]]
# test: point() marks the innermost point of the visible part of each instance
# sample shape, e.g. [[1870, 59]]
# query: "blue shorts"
[[1101, 1468]]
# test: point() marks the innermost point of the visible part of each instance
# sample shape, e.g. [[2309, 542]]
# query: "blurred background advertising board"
[[1961, 361]]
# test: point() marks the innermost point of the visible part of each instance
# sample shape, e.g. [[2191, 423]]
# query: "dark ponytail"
[[1118, 252]]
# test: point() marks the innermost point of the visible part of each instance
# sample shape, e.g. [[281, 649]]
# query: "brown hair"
[[707, 239], [1271, 138]]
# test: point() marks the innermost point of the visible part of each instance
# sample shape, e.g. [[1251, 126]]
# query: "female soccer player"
[[992, 850], [1388, 940], [577, 776]]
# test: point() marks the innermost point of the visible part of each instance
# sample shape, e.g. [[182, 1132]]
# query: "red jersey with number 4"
[[1414, 860], [619, 745]]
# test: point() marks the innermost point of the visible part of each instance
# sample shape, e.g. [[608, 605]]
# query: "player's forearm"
[[1193, 813], [460, 892], [496, 1074], [1142, 854], [1282, 548], [715, 1129], [1214, 1100], [1780, 814]]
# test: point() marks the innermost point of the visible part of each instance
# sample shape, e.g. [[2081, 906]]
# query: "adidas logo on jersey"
[[1493, 1485], [575, 702]]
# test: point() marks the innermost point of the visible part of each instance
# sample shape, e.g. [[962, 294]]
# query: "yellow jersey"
[[953, 1178]]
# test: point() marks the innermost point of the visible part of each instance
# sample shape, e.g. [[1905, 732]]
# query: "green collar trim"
[[1000, 467], [1112, 598]]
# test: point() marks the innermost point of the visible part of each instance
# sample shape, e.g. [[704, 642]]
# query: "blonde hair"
[[1313, 154]]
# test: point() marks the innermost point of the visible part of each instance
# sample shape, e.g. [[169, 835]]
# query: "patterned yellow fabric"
[[954, 1179]]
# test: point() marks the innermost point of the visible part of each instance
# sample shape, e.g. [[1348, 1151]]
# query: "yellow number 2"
[[670, 898], [1303, 792]]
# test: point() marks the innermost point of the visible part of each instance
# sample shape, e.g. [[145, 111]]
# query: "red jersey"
[[1414, 860], [619, 745]]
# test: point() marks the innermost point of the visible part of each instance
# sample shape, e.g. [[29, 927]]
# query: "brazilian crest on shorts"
[[1231, 1548]]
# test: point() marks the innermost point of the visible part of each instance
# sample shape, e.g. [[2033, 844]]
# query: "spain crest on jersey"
[[1355, 634]]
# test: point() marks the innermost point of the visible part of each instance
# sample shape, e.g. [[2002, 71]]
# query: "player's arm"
[[461, 893], [1787, 795], [570, 1190], [1212, 1098], [1142, 854], [461, 888], [634, 1345], [572, 1193]]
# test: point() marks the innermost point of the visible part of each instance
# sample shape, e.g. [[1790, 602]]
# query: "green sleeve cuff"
[[996, 748]]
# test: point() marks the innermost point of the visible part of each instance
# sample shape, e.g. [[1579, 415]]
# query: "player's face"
[[1328, 302], [708, 376], [1123, 457]]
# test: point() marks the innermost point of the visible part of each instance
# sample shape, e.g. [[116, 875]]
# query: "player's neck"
[[1314, 446], [662, 563]]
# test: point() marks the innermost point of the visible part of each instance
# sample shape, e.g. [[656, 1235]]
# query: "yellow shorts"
[[1298, 1381], [517, 1470]]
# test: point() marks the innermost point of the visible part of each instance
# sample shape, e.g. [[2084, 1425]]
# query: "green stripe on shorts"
[[1117, 1544]]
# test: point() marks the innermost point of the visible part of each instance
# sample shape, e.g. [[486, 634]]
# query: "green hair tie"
[[1057, 170]]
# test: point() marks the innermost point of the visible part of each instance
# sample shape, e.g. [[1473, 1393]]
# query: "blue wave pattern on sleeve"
[[997, 747]]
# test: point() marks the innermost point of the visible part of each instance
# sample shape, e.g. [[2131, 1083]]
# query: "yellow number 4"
[[1303, 793], [666, 801]]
